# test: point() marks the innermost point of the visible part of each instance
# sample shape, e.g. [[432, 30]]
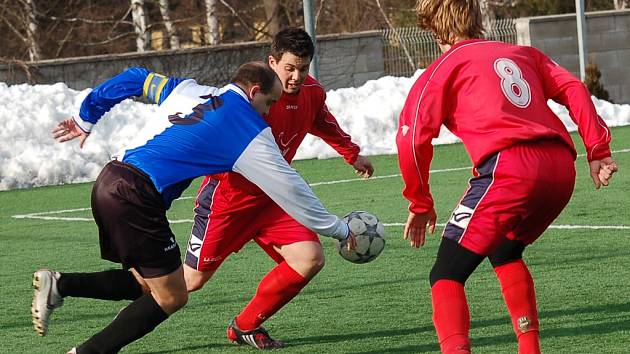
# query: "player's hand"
[[416, 227], [351, 241], [68, 130], [363, 167], [602, 171]]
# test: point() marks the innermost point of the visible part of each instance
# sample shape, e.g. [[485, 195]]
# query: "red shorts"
[[226, 218], [515, 194]]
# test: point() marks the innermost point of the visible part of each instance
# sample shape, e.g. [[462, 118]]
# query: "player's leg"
[[193, 274], [282, 283], [195, 279], [276, 289], [517, 287], [451, 317], [475, 228], [305, 257], [52, 287], [218, 230], [168, 294], [547, 175], [550, 166], [134, 231], [299, 256]]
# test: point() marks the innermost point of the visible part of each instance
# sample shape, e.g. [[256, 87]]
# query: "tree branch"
[[251, 28], [108, 40], [413, 65]]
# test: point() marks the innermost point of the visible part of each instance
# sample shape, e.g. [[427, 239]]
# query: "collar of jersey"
[[236, 89]]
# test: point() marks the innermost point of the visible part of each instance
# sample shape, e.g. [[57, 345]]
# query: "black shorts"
[[132, 224]]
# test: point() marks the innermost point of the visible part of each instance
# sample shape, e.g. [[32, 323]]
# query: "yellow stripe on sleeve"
[[147, 81], [160, 87]]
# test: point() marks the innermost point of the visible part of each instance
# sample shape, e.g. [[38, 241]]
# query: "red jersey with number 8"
[[492, 95]]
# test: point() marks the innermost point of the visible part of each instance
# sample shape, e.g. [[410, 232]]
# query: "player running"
[[225, 201], [214, 130], [493, 96]]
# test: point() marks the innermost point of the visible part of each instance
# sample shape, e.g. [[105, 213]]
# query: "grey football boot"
[[46, 298]]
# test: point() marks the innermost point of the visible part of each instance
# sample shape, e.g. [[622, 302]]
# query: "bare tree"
[[402, 44], [31, 32], [170, 26], [276, 16], [213, 22], [247, 24], [20, 18], [139, 18], [621, 4], [487, 14]]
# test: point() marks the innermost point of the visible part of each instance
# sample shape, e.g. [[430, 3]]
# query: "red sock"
[[275, 290], [450, 316], [519, 294]]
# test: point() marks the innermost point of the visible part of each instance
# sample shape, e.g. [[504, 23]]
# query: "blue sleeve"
[[131, 82]]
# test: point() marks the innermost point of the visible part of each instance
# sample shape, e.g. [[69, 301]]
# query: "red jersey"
[[291, 118], [491, 95]]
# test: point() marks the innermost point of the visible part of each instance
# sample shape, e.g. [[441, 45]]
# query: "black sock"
[[133, 322], [115, 284]]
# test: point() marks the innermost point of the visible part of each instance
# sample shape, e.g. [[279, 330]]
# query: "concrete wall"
[[346, 60], [608, 44]]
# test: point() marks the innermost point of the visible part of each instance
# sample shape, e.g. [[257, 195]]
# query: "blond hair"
[[450, 20]]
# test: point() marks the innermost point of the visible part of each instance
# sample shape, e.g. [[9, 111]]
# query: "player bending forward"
[[493, 96], [230, 211], [218, 131]]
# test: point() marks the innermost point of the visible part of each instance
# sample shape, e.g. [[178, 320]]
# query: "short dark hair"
[[292, 40], [255, 73]]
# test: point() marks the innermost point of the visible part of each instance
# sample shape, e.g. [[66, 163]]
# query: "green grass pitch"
[[581, 274]]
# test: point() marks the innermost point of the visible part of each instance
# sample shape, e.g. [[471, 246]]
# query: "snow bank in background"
[[30, 157]]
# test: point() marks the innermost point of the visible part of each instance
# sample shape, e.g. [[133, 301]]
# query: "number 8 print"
[[514, 87]]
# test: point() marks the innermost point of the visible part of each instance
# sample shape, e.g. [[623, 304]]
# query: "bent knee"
[[194, 284], [172, 302], [317, 263], [308, 266], [195, 279]]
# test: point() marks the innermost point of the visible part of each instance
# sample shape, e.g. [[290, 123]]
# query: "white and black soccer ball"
[[370, 235]]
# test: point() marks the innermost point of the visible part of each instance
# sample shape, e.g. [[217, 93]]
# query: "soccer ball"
[[370, 235]]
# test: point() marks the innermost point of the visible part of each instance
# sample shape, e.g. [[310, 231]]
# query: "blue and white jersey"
[[214, 130]]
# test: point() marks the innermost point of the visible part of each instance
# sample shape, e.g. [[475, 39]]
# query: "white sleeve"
[[262, 164]]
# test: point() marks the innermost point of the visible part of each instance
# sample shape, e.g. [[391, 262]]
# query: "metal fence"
[[423, 49]]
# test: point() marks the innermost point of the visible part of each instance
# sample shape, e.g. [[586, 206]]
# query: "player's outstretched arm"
[[416, 227], [602, 171], [363, 167], [131, 82], [67, 130]]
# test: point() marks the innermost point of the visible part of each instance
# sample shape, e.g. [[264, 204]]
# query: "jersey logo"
[[171, 246], [405, 129], [461, 216], [194, 245], [281, 140], [292, 106]]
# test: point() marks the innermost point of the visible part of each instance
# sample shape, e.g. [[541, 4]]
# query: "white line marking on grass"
[[315, 184], [25, 216], [564, 227], [43, 215], [399, 175]]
